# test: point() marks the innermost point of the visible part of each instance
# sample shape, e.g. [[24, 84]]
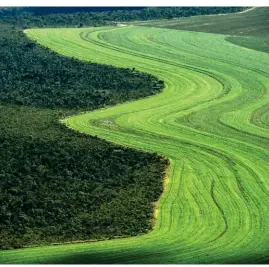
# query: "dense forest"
[[57, 185], [80, 19], [45, 10], [33, 76]]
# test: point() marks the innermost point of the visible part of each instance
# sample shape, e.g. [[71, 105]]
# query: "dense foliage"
[[80, 19], [45, 10], [57, 185], [31, 75]]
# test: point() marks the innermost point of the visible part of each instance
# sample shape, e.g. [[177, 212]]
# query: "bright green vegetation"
[[249, 29], [211, 121], [57, 185]]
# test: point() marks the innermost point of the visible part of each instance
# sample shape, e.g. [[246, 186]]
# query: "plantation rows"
[[211, 121]]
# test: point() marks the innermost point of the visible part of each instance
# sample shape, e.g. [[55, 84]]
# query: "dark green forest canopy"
[[32, 75], [57, 185], [46, 10], [79, 19]]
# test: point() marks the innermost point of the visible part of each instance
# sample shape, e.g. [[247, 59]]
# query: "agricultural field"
[[248, 28], [211, 122]]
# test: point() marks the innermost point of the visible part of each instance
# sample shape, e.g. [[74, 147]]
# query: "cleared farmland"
[[211, 121], [250, 22], [249, 28]]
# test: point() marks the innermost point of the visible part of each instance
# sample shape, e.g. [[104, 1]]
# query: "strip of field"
[[251, 22], [211, 121], [249, 28]]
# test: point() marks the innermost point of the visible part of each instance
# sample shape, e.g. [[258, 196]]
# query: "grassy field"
[[211, 121], [251, 22], [249, 28]]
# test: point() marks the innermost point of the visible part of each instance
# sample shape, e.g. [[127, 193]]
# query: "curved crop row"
[[211, 121]]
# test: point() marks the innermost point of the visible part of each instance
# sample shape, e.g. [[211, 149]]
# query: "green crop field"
[[249, 28], [211, 121]]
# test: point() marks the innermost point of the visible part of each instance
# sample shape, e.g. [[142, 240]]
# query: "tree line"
[[34, 76], [57, 185], [80, 19]]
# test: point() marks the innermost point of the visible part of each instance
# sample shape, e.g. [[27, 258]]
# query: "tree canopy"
[[57, 185]]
